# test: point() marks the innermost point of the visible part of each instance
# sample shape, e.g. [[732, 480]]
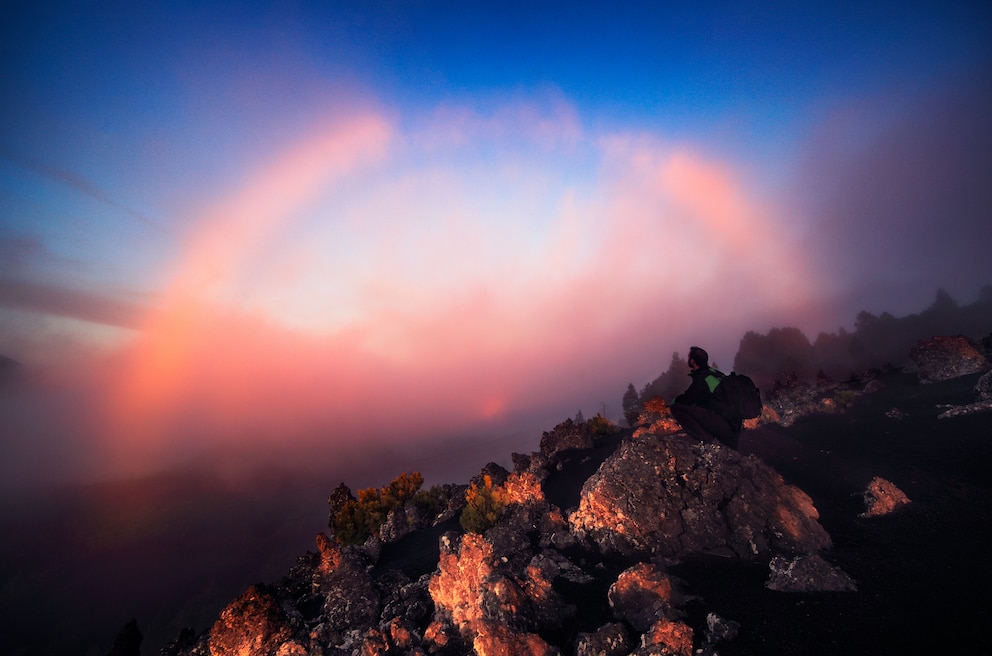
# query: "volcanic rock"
[[643, 595], [485, 602], [807, 573], [943, 357], [673, 497], [983, 388], [666, 638], [566, 435], [656, 419], [882, 497], [607, 640], [350, 598], [254, 623]]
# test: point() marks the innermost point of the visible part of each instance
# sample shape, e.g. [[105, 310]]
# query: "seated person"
[[697, 409]]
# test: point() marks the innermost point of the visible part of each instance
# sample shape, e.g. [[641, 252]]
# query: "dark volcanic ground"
[[923, 573]]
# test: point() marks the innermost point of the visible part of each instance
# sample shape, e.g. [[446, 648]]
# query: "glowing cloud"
[[368, 282]]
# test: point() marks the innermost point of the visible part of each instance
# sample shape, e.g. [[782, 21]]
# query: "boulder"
[[254, 623], [351, 600], [666, 638], [607, 640], [807, 573], [644, 594], [946, 357], [882, 497], [673, 497], [489, 604], [983, 388], [566, 435]]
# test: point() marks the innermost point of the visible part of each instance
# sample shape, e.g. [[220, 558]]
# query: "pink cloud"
[[437, 299]]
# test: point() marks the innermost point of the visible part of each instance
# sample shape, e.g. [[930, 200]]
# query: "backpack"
[[738, 397]]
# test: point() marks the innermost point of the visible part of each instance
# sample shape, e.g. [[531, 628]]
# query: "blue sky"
[[512, 208]]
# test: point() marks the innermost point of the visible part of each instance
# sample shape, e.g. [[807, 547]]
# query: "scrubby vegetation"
[[601, 426], [484, 506], [352, 520]]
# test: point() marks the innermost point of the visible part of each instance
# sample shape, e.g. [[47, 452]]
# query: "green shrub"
[[483, 508], [600, 425], [430, 503], [353, 520]]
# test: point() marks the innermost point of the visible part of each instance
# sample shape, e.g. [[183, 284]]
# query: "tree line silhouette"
[[876, 342]]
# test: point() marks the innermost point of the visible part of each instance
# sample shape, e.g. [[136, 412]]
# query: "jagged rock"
[[608, 640], [566, 435], [791, 399], [943, 357], [128, 641], [464, 565], [719, 629], [983, 388], [895, 413], [656, 419], [672, 497], [187, 643], [496, 473], [807, 573], [494, 639], [666, 638], [983, 392], [401, 521], [644, 594], [404, 600], [254, 623], [350, 598], [491, 606], [882, 497], [970, 409]]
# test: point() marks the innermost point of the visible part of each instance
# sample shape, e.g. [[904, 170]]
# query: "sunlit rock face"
[[942, 358], [254, 623], [643, 595], [674, 497], [656, 419], [883, 497], [495, 610]]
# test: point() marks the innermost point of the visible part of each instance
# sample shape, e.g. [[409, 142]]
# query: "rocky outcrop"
[[645, 594], [983, 394], [254, 623], [671, 497], [566, 435], [807, 573], [983, 388], [793, 398], [656, 419], [945, 357], [882, 497]]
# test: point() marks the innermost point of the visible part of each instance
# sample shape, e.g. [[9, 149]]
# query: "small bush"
[[430, 503], [484, 506], [600, 425], [353, 520]]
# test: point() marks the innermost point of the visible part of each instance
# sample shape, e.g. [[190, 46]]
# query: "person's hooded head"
[[698, 356]]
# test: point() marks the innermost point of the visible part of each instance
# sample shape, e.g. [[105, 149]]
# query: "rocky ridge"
[[595, 577]]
